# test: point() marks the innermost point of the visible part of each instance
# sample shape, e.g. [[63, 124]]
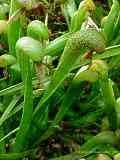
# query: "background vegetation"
[[59, 79]]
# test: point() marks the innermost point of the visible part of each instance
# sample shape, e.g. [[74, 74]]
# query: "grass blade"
[[9, 134], [8, 110]]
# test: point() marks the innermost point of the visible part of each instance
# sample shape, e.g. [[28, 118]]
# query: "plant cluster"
[[59, 80]]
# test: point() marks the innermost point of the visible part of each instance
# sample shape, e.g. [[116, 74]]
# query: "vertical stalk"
[[13, 28], [110, 102], [22, 134], [107, 91], [26, 49]]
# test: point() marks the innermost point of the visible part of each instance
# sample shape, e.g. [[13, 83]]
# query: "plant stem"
[[110, 102], [26, 70], [14, 28]]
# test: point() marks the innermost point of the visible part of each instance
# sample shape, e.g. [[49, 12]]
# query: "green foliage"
[[59, 92]]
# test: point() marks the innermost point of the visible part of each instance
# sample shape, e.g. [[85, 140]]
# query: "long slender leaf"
[[8, 110], [16, 87], [26, 70], [9, 134]]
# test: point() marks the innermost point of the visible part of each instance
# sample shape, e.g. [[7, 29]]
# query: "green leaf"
[[8, 110], [16, 155], [9, 134]]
